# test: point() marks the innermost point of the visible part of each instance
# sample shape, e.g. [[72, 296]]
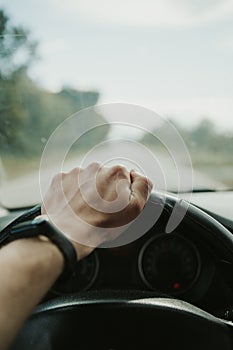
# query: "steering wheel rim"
[[115, 319]]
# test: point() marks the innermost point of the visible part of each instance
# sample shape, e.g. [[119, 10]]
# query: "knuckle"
[[146, 182], [119, 169], [75, 170], [94, 165], [144, 179]]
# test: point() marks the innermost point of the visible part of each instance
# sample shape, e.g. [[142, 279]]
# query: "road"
[[161, 169]]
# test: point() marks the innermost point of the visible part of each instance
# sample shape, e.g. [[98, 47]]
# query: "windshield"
[[171, 58]]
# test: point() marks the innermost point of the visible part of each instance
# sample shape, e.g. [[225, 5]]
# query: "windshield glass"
[[173, 57]]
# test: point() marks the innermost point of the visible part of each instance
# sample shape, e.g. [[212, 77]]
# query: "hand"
[[93, 205]]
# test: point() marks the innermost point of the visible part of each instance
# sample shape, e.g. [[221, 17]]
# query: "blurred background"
[[58, 57]]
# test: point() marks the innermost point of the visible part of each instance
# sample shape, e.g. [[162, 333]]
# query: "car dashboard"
[[171, 265], [180, 264]]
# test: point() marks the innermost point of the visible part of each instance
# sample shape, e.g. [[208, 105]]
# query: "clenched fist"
[[94, 205]]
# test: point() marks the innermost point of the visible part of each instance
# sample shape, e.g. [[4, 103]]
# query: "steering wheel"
[[129, 319]]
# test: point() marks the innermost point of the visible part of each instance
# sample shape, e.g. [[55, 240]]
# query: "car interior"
[[177, 283], [147, 84]]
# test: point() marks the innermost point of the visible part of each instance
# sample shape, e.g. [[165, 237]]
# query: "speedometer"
[[169, 263]]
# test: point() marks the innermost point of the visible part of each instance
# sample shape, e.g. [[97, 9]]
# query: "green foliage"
[[28, 113]]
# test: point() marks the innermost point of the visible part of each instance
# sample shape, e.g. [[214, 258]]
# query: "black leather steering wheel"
[[129, 320]]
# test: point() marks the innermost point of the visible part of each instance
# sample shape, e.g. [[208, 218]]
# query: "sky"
[[173, 56]]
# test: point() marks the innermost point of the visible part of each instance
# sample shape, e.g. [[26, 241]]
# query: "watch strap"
[[40, 226], [27, 215]]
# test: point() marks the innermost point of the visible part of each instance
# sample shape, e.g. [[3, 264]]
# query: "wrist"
[[81, 250], [39, 227], [54, 252], [37, 256]]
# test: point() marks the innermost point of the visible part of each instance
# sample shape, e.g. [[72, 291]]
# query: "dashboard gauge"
[[84, 277], [169, 263]]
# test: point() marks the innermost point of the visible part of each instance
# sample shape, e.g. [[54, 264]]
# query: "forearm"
[[29, 267]]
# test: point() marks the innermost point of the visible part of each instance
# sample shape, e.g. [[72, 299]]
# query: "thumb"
[[141, 188]]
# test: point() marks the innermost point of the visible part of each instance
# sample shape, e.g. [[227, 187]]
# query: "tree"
[[28, 113], [17, 49], [17, 52]]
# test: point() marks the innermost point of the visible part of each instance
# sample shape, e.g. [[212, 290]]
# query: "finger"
[[118, 180], [116, 172], [141, 188], [75, 170], [71, 180], [89, 173], [94, 167]]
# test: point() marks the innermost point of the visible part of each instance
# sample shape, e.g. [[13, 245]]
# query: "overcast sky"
[[175, 56]]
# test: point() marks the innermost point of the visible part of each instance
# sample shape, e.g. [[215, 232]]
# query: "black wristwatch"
[[40, 226]]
